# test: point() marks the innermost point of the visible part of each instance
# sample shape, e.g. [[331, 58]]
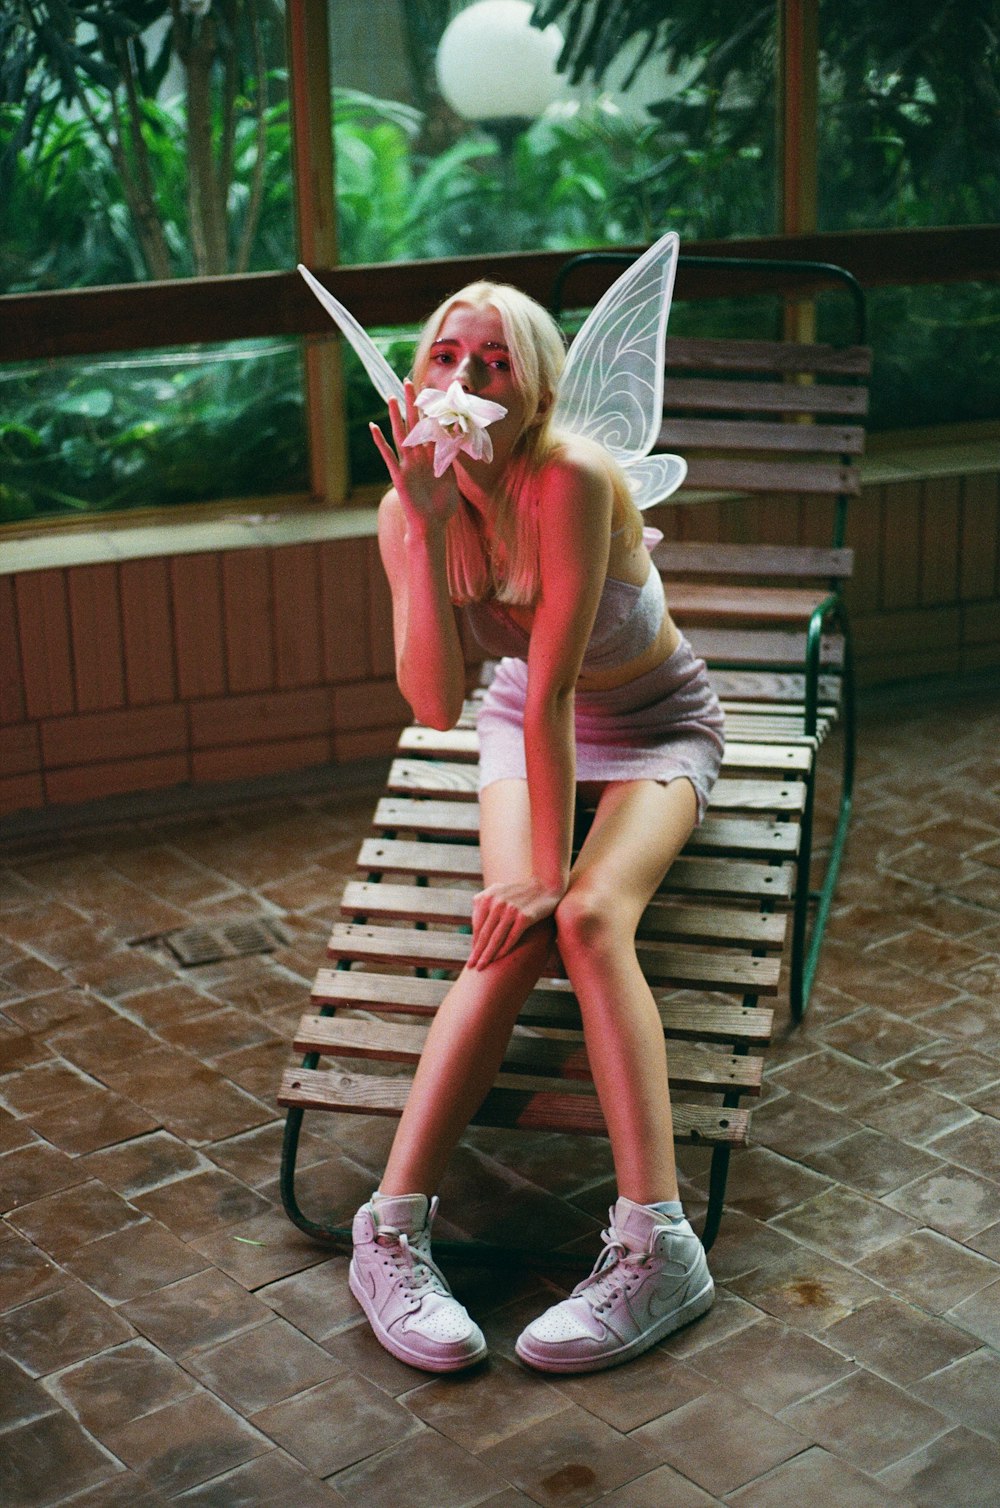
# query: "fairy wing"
[[652, 479], [384, 379], [612, 384]]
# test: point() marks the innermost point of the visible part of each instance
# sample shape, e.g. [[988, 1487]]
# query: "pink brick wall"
[[218, 666]]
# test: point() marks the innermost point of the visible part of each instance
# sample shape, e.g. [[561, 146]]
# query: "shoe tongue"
[[635, 1224], [404, 1212]]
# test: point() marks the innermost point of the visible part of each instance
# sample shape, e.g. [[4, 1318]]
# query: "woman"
[[600, 696]]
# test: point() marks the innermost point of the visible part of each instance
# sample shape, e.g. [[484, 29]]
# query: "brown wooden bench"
[[734, 906], [711, 943]]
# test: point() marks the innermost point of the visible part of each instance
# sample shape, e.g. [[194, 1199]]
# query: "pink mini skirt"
[[661, 726]]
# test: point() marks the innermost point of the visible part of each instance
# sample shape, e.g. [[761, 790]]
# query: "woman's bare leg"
[[638, 830], [468, 1036]]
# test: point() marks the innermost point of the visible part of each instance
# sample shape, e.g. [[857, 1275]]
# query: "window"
[[165, 148], [134, 152]]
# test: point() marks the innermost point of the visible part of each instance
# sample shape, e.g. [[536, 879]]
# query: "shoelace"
[[423, 1268], [607, 1281]]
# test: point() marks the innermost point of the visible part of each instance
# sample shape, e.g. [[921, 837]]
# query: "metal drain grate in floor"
[[192, 946]]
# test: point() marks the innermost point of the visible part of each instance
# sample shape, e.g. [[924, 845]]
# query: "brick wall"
[[142, 674], [148, 673]]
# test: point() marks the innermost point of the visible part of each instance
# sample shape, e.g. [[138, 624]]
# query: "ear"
[[544, 408]]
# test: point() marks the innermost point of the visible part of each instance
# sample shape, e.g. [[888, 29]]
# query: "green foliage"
[[909, 135], [145, 431], [577, 177], [184, 182], [909, 117]]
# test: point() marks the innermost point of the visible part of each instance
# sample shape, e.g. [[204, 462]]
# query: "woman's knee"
[[588, 917]]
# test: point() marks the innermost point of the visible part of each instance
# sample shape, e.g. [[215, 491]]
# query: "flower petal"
[[424, 432], [445, 452]]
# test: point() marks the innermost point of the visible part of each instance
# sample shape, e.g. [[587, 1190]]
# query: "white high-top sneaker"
[[651, 1279], [403, 1291]]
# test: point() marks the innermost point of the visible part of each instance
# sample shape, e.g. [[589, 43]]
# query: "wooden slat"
[[663, 920], [686, 352], [731, 836], [695, 602], [774, 648], [508, 1104], [706, 474], [692, 1068], [762, 727], [681, 967], [551, 1004], [450, 781], [690, 558], [751, 435], [763, 397], [774, 688], [462, 744], [687, 875]]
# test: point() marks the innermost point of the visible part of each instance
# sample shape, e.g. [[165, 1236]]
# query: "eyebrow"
[[487, 345]]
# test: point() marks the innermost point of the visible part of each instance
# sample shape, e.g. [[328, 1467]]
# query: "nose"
[[468, 373]]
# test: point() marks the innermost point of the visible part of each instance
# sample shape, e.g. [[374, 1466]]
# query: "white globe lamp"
[[495, 68]]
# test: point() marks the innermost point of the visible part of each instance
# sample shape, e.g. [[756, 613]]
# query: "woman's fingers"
[[410, 398], [400, 428], [493, 944], [497, 926], [386, 452]]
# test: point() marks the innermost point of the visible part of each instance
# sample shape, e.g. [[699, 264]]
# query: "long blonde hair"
[[537, 355]]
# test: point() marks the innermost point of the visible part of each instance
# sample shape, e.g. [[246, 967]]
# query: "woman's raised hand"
[[426, 499], [502, 913]]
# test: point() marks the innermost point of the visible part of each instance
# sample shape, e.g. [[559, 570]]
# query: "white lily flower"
[[454, 421]]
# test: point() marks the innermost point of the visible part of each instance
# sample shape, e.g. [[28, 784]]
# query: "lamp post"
[[498, 71]]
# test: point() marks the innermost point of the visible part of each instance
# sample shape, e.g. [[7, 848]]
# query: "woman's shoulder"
[[578, 467]]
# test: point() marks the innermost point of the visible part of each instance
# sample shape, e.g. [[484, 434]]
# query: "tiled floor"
[[168, 1336]]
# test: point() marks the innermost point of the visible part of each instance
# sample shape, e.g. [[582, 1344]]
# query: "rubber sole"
[[402, 1352], [693, 1309]]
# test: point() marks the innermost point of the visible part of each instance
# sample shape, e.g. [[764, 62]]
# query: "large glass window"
[[442, 149], [909, 114], [144, 139], [151, 139], [151, 429]]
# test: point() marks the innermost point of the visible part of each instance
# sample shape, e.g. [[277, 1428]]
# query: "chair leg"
[[286, 1183], [717, 1178], [826, 893], [473, 1253], [798, 987], [807, 940]]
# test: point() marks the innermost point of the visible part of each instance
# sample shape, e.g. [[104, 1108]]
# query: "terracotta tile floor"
[[168, 1336]]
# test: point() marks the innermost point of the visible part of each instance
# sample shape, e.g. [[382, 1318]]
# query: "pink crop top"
[[627, 621]]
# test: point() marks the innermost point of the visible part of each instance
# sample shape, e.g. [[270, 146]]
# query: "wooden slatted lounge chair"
[[782, 422], [714, 940], [711, 944]]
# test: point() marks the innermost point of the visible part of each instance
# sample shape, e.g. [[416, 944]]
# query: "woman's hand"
[[427, 500], [501, 914]]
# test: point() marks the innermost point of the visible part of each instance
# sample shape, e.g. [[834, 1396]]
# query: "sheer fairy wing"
[[612, 384], [652, 479], [384, 379]]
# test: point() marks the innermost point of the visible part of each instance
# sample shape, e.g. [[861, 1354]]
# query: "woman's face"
[[471, 348]]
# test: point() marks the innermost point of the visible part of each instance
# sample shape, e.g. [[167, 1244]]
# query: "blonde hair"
[[537, 354]]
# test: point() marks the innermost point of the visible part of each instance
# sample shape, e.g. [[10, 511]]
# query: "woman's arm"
[[430, 666], [574, 542]]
